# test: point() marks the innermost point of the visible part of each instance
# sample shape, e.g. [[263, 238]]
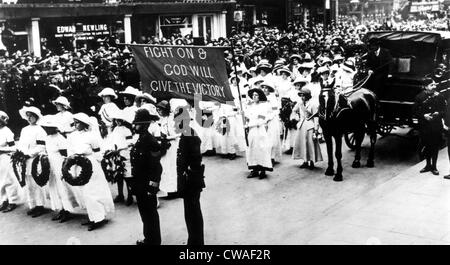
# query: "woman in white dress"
[[108, 108], [32, 143], [96, 193], [168, 184], [306, 144], [121, 139], [273, 122], [64, 116], [10, 192], [259, 149], [291, 128], [63, 197]]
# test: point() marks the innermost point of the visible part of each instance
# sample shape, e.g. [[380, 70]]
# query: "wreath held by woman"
[[41, 178], [19, 159], [85, 174]]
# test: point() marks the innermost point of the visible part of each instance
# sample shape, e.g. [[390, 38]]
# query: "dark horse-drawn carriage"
[[414, 57]]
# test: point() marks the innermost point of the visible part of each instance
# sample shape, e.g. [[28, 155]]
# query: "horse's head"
[[332, 105]]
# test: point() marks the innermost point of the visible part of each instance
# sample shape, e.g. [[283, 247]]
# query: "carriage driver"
[[429, 108]]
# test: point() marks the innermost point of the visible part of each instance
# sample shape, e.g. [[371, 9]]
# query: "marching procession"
[[77, 124]]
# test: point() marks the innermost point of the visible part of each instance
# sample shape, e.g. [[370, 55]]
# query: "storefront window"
[[175, 25], [204, 27]]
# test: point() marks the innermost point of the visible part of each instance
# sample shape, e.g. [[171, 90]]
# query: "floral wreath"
[[42, 178], [18, 158], [85, 174], [113, 165]]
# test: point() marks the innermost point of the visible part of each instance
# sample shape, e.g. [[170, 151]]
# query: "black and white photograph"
[[197, 123]]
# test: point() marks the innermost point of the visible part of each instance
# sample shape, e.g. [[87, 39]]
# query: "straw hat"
[[107, 92], [262, 96], [48, 121], [268, 85], [295, 56], [144, 116], [121, 115], [301, 79], [84, 118], [284, 70], [323, 69], [129, 90], [308, 65], [23, 112], [146, 96], [164, 105], [62, 101]]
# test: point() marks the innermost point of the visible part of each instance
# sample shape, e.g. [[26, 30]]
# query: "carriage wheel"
[[384, 129], [350, 140]]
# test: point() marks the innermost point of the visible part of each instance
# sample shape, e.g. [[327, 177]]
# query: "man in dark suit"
[[379, 62]]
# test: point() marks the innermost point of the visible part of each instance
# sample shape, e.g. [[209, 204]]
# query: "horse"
[[353, 112]]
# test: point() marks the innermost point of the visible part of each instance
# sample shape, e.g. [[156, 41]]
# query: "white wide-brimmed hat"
[[48, 121], [107, 92], [63, 101], [323, 69], [146, 96], [301, 79], [308, 65], [129, 90], [83, 117], [23, 112], [122, 115]]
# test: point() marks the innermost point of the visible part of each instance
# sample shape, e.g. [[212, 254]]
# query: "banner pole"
[[239, 90]]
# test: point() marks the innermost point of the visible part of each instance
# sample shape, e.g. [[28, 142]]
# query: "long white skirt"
[[62, 195], [209, 137], [96, 193], [10, 189], [275, 138], [233, 141], [36, 195], [259, 149], [288, 139], [305, 147], [169, 164]]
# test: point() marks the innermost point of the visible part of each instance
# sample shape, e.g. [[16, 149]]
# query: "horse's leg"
[[359, 137], [338, 153], [329, 144], [372, 131]]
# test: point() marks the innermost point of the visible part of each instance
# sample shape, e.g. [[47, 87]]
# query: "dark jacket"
[[145, 162], [190, 170], [381, 66], [430, 102]]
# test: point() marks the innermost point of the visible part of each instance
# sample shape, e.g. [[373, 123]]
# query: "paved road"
[[291, 206]]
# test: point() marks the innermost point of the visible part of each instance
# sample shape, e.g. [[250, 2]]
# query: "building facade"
[[81, 23]]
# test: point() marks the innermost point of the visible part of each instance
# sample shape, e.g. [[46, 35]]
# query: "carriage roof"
[[441, 38]]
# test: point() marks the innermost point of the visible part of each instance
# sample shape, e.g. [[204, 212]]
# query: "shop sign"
[[85, 32], [174, 20], [424, 7]]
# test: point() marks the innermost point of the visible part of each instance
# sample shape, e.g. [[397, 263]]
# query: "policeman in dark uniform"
[[190, 179], [429, 109], [146, 171]]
